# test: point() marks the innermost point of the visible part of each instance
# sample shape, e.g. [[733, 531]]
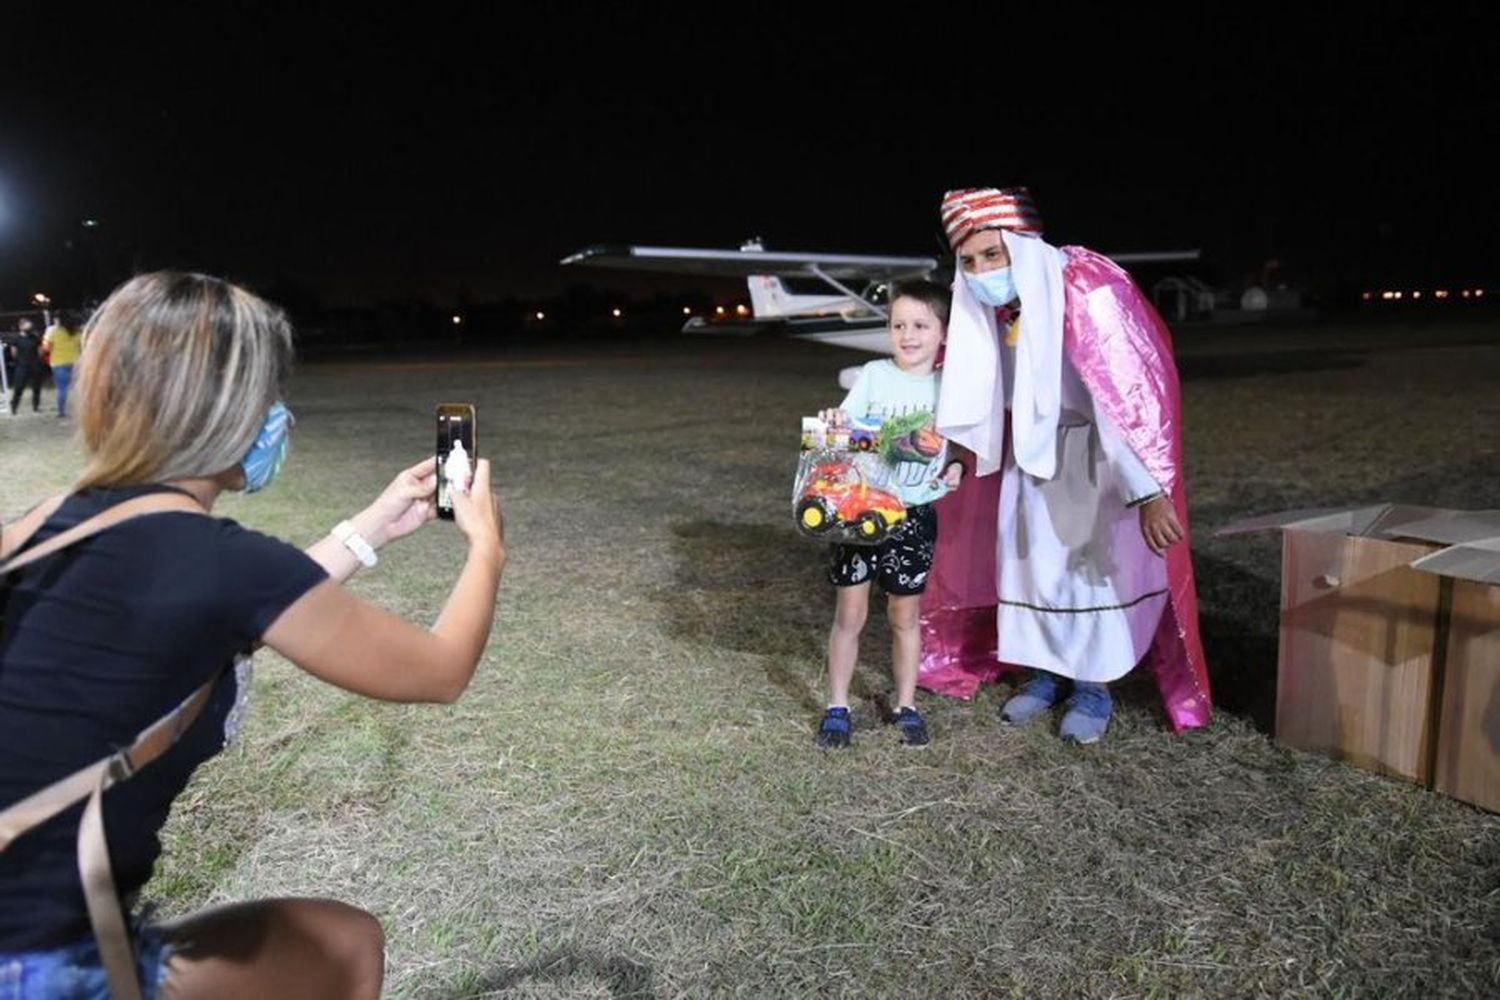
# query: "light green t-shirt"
[[906, 405]]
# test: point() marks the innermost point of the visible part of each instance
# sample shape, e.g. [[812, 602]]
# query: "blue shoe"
[[1036, 696], [833, 733], [913, 729], [1088, 714]]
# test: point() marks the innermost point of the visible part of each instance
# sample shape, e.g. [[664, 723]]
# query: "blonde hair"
[[176, 378]]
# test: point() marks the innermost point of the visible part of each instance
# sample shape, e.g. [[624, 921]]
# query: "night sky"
[[444, 152]]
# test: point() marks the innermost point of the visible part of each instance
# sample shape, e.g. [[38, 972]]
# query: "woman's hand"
[[334, 635], [1159, 524], [478, 514], [405, 505], [953, 475]]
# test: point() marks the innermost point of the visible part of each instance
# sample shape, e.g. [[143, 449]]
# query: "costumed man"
[[1059, 376]]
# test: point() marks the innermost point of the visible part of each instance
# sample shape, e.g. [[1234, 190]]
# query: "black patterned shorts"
[[900, 563]]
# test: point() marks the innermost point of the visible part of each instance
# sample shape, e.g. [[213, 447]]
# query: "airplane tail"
[[768, 296], [770, 299]]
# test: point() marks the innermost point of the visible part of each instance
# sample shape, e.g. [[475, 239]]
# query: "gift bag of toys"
[[842, 492]]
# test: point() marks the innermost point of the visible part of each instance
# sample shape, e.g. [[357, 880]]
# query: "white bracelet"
[[355, 542]]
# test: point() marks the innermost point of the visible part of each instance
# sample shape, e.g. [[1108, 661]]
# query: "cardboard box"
[[1467, 764], [1389, 651]]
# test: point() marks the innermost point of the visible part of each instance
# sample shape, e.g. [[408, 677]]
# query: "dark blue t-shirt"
[[100, 640]]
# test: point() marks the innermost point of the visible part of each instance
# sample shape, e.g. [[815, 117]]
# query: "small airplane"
[[848, 310]]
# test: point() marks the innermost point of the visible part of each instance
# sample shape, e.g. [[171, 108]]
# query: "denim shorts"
[[74, 972]]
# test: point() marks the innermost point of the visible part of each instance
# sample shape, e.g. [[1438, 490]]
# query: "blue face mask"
[[993, 288], [268, 454]]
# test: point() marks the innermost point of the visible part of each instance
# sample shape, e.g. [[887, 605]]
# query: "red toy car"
[[837, 496]]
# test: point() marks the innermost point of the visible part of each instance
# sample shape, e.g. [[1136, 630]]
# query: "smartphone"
[[455, 423]]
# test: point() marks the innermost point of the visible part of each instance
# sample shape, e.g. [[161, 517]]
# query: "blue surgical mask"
[[993, 288], [268, 454]]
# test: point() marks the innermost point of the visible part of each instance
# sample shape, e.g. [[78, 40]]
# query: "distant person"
[[1060, 377], [179, 402], [62, 345], [26, 352], [900, 390]]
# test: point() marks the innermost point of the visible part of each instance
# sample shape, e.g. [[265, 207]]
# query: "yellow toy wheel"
[[814, 516]]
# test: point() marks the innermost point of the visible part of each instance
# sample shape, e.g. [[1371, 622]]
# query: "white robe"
[[1073, 598]]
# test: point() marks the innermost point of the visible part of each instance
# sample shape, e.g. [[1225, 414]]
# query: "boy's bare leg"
[[904, 615], [843, 639], [282, 948]]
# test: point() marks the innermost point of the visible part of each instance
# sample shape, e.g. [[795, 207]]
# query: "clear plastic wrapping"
[[843, 492]]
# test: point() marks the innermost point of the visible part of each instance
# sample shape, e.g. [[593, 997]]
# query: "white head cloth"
[[971, 410]]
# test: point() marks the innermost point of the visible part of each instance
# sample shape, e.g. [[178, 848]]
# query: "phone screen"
[[455, 424]]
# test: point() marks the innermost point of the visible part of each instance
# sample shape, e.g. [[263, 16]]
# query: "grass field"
[[627, 801]]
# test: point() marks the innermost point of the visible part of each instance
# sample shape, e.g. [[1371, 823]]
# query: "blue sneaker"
[[1036, 696], [833, 733], [913, 729], [1088, 713]]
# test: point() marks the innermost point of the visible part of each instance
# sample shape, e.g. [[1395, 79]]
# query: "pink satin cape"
[[1122, 350]]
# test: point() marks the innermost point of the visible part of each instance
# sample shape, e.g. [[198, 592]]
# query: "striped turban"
[[968, 210]]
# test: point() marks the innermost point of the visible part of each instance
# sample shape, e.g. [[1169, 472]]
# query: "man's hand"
[[953, 475], [1159, 524]]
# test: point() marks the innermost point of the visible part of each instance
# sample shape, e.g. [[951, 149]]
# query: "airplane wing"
[[745, 263], [1153, 256]]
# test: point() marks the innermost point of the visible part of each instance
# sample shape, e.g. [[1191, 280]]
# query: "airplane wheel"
[[871, 526], [813, 516]]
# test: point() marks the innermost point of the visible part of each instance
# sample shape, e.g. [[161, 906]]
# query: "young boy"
[[902, 391]]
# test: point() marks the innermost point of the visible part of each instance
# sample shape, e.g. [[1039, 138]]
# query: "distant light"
[[1479, 293], [541, 315], [457, 319], [1397, 295], [1367, 296], [740, 310], [42, 300], [687, 310], [718, 310], [615, 313], [90, 223], [1416, 295], [1441, 293], [1465, 293]]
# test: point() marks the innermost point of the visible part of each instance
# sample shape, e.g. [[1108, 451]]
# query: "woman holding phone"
[[179, 401]]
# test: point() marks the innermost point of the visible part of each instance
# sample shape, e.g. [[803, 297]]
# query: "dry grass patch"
[[627, 802]]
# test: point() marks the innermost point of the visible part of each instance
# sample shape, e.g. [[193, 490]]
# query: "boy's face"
[[916, 334], [983, 251]]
